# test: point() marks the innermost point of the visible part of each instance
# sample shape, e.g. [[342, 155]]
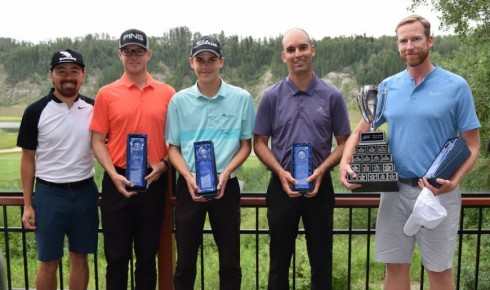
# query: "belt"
[[414, 182], [232, 175], [67, 185]]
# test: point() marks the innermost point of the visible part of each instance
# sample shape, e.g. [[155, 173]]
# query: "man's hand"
[[287, 180], [446, 185], [316, 178], [222, 182], [346, 170], [157, 170], [121, 183], [194, 189], [29, 218]]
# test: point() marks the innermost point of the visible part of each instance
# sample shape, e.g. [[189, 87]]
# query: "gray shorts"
[[436, 246]]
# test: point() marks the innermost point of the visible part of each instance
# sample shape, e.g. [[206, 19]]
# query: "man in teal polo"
[[210, 110]]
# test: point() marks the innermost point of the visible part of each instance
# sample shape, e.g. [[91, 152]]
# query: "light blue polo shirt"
[[422, 118], [226, 119]]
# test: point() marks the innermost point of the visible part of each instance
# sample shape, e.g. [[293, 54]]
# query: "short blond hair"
[[415, 18]]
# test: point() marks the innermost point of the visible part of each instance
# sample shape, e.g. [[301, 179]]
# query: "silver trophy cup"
[[367, 100], [372, 160]]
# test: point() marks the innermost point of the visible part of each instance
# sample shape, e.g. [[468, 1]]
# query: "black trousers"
[[132, 221], [224, 217], [283, 214]]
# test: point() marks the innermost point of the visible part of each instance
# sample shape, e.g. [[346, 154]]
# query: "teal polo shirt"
[[226, 119]]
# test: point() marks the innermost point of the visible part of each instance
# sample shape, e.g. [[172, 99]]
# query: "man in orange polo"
[[134, 104]]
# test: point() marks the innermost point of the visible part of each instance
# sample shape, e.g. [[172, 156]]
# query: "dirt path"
[[16, 149]]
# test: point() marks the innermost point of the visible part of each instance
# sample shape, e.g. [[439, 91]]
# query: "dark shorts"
[[70, 212]]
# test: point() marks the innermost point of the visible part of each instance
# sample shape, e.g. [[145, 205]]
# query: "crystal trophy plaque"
[[136, 154], [206, 175], [452, 155], [372, 161], [301, 166]]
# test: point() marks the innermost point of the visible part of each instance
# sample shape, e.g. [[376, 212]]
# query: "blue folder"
[[452, 155]]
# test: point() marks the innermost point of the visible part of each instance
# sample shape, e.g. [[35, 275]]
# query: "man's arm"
[[236, 161], [240, 156], [104, 158], [265, 155], [348, 151], [158, 169], [332, 160], [27, 171], [178, 162]]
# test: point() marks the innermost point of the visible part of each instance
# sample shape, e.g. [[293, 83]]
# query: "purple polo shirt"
[[289, 115]]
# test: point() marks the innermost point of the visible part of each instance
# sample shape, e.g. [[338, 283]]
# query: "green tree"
[[471, 22]]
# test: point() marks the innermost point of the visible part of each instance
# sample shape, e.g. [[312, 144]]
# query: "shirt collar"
[[55, 98], [309, 90], [221, 92], [126, 82]]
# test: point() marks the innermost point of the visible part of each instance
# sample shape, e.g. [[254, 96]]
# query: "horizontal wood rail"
[[341, 200]]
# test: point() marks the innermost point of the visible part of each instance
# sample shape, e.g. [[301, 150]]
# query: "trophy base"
[[373, 164], [377, 187], [208, 195]]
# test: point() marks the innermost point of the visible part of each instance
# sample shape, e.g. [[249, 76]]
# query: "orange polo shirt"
[[121, 108]]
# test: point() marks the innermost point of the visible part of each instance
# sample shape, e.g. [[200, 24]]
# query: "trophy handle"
[[382, 99], [361, 107]]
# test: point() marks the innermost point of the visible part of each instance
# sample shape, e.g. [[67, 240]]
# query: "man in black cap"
[[55, 139], [229, 125], [131, 219]]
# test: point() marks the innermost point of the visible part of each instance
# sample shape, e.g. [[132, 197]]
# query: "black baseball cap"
[[67, 56], [206, 43], [134, 36]]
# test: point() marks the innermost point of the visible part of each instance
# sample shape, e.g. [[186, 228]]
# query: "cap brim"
[[62, 62], [205, 49], [133, 43], [411, 227]]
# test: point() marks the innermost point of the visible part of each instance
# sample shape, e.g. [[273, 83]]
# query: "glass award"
[[451, 156], [206, 175], [136, 154], [302, 166]]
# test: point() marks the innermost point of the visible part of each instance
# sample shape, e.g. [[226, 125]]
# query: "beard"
[[68, 88], [415, 59]]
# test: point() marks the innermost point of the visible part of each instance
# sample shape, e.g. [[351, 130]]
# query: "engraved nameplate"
[[372, 137]]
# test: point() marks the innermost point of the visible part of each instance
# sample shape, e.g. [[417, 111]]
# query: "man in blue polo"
[[224, 114], [300, 109]]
